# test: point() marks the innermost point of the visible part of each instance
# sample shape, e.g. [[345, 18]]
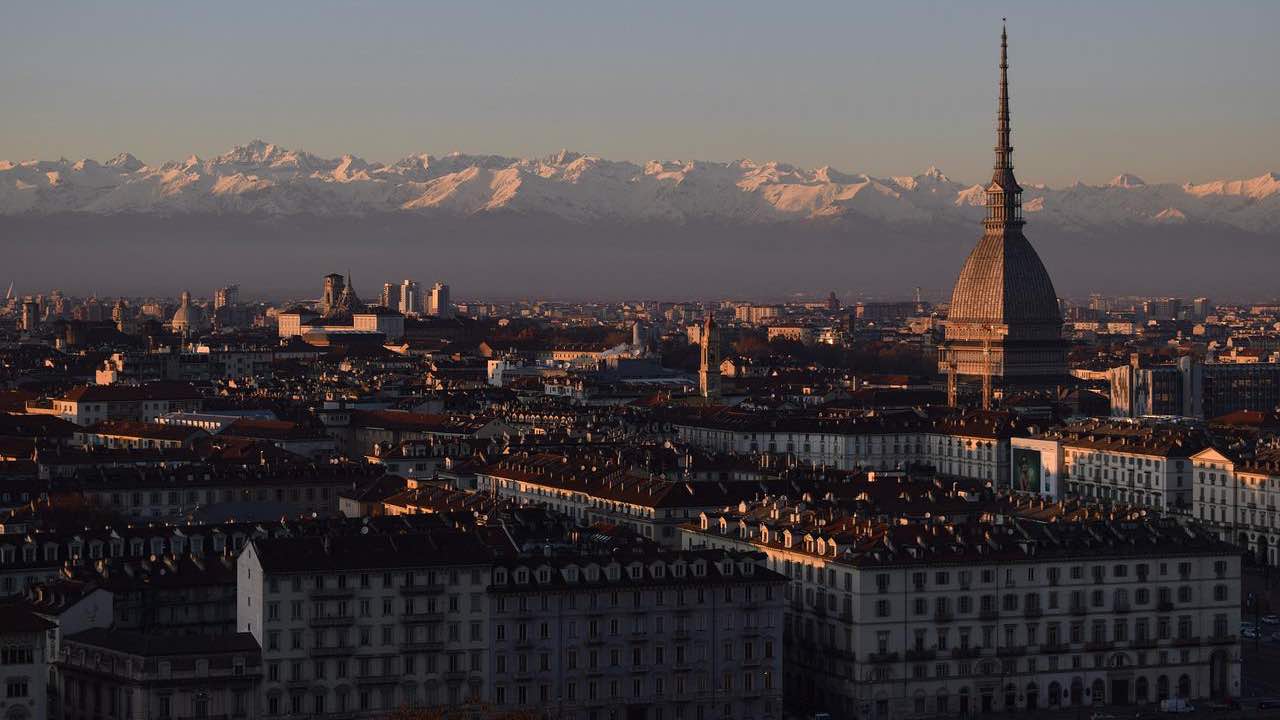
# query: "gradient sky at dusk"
[[1171, 91]]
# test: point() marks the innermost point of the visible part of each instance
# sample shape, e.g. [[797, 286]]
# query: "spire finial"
[[1003, 149]]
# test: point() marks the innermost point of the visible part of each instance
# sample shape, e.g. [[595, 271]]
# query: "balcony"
[[1033, 611], [1098, 645], [942, 616], [455, 676], [1186, 641], [1164, 606], [1148, 642], [332, 651], [965, 653], [1054, 648], [1011, 651], [1121, 607], [1078, 609], [987, 614], [331, 594], [426, 589], [420, 645], [332, 621], [840, 654], [1222, 640], [880, 658], [420, 616], [920, 655]]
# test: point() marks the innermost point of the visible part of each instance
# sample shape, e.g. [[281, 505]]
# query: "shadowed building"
[[1004, 324], [709, 369]]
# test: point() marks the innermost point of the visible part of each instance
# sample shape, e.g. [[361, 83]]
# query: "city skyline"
[[793, 444]]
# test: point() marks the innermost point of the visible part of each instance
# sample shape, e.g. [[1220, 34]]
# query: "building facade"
[[1237, 490], [1009, 616], [656, 635], [364, 624]]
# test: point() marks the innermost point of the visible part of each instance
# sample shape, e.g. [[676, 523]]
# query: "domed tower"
[[1004, 326], [187, 318]]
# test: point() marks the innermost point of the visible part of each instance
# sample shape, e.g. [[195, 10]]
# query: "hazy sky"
[[1167, 90]]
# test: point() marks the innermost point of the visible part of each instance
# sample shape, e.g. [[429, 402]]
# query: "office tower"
[[410, 298], [228, 296], [440, 305]]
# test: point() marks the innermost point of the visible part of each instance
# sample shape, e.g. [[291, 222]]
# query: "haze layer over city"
[[412, 361]]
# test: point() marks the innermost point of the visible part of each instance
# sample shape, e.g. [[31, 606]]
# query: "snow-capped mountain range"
[[262, 178]]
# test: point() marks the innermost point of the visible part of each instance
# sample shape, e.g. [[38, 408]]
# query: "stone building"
[[900, 618], [1004, 323]]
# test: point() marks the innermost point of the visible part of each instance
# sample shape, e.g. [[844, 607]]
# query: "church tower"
[[709, 371], [1004, 326]]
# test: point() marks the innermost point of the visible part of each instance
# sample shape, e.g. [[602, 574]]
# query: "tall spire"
[[1004, 195], [1004, 150]]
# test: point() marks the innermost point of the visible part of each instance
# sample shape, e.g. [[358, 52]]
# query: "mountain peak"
[[563, 157], [933, 173], [1126, 180], [125, 161], [254, 151]]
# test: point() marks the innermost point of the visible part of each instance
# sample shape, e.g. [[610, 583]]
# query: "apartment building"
[[89, 404], [973, 444], [1147, 464], [1010, 614], [1237, 489], [363, 624], [593, 488], [653, 634], [131, 676], [25, 654], [286, 488]]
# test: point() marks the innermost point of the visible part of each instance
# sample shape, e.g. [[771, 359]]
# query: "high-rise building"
[[709, 371], [410, 298], [1201, 308], [440, 304], [1004, 325], [1162, 308], [228, 296], [390, 297], [30, 315]]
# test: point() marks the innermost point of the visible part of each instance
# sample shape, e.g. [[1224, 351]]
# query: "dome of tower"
[[1003, 281], [187, 316]]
